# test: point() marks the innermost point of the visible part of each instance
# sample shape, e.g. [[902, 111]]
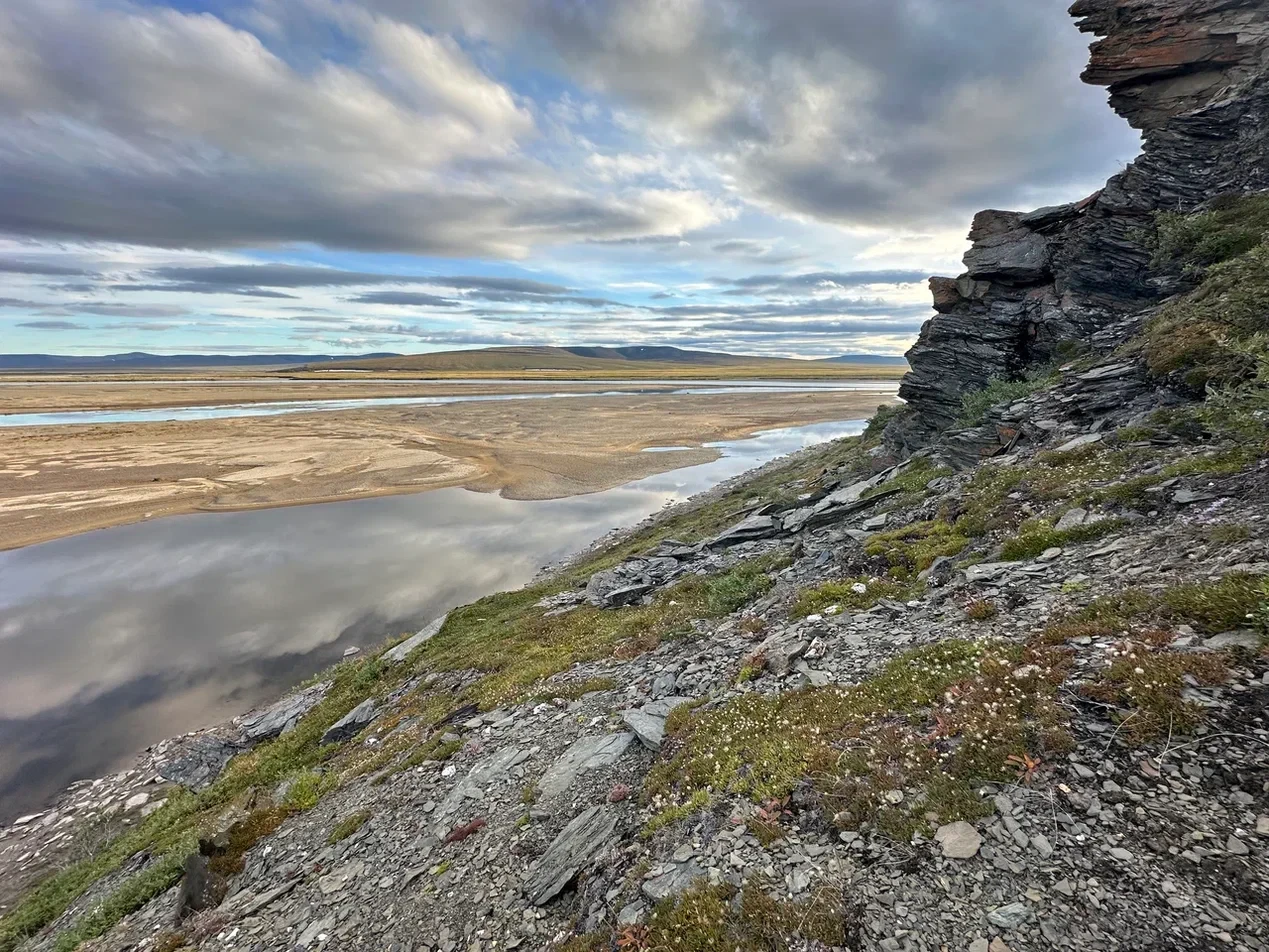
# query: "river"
[[112, 640]]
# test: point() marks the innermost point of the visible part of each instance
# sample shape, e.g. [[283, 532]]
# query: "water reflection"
[[112, 640]]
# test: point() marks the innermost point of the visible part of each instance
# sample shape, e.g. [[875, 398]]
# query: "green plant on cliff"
[[975, 404], [1200, 338]]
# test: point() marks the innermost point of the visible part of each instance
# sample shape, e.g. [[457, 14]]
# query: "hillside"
[[992, 677], [598, 361]]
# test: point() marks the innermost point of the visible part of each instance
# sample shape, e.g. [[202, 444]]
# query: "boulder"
[[352, 723], [398, 653], [197, 760], [281, 717], [648, 722], [587, 835]]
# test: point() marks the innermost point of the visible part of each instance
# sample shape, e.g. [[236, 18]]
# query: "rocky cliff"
[[1192, 76]]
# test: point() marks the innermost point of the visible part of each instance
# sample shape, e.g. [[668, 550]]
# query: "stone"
[[1236, 847], [780, 650], [1233, 639], [197, 760], [1011, 916], [1121, 854], [281, 717], [997, 945], [663, 684], [1072, 519], [1079, 442], [351, 724], [747, 530], [678, 878], [585, 753], [1042, 845], [987, 571], [471, 787], [979, 945], [959, 840], [398, 653], [585, 837]]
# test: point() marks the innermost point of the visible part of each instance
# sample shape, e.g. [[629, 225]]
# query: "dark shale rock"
[[1190, 75], [587, 835], [350, 724]]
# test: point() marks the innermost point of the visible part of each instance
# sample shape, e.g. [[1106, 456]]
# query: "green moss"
[[572, 690], [1232, 602], [913, 548], [1233, 226], [1191, 339], [810, 601], [348, 826], [1149, 682], [1034, 538], [709, 918]]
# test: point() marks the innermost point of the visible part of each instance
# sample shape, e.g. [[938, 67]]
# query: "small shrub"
[[348, 826], [974, 405], [981, 609], [1233, 602]]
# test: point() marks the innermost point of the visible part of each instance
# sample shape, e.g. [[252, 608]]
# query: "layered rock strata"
[[1190, 74]]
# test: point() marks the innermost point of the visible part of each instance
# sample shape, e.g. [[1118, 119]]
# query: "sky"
[[350, 176]]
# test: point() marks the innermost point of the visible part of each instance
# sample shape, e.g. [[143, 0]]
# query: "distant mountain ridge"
[[141, 360], [485, 358], [508, 359]]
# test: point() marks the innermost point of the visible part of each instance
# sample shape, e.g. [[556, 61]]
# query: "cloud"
[[190, 287], [873, 112], [110, 309], [181, 130], [53, 326], [403, 299], [16, 266], [17, 302], [822, 280]]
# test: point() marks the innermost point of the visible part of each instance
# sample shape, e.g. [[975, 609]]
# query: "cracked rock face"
[[1190, 75]]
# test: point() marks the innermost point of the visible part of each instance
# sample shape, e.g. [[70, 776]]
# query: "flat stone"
[[1233, 639], [472, 786], [586, 753], [587, 835], [959, 840], [987, 571], [1121, 854], [1010, 916], [747, 530], [1072, 519], [1186, 497], [281, 717], [352, 723], [398, 653], [1236, 847], [1088, 439], [677, 879]]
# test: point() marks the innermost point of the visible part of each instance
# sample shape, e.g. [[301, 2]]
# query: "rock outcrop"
[[1190, 74]]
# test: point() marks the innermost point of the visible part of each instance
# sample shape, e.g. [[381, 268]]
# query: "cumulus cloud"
[[177, 129]]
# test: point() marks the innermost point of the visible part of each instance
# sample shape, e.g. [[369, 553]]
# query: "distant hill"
[[138, 360], [880, 360], [645, 360]]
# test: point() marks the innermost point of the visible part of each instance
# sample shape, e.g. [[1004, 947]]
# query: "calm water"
[[276, 407], [112, 640]]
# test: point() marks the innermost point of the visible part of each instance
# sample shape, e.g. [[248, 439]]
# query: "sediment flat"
[[57, 481]]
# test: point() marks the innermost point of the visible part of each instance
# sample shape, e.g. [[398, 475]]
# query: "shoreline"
[[62, 484], [126, 795]]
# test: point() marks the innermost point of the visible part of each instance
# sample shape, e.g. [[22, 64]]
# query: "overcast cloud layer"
[[282, 175]]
